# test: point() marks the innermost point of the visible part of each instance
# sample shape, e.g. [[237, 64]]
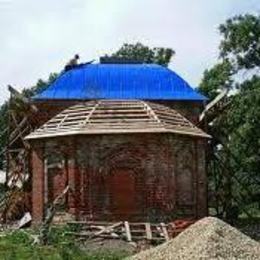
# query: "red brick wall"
[[167, 173], [167, 181], [37, 161]]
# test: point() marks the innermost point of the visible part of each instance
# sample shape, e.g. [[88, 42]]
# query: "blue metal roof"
[[120, 81]]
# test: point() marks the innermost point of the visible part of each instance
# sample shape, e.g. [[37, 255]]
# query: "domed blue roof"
[[120, 81]]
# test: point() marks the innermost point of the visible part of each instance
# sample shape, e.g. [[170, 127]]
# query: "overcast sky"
[[38, 37]]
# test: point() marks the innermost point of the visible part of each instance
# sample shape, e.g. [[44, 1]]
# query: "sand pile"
[[209, 238]]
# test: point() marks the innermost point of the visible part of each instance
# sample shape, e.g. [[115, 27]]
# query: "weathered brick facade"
[[136, 177]]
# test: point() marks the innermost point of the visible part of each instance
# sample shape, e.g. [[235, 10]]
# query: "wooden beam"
[[108, 229], [127, 231], [165, 233], [18, 128], [51, 211], [213, 103], [26, 100], [19, 135], [26, 145], [148, 231]]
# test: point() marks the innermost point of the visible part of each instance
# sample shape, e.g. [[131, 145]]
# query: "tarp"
[[120, 81]]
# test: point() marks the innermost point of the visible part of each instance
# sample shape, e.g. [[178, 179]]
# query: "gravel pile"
[[208, 238]]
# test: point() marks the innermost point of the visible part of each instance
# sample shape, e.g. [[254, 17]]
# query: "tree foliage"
[[241, 41], [239, 50], [144, 54], [243, 125], [217, 79], [238, 128], [40, 85]]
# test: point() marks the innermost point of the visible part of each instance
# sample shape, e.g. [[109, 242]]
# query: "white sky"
[[38, 37]]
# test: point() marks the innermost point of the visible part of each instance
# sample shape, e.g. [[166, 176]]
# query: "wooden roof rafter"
[[115, 117]]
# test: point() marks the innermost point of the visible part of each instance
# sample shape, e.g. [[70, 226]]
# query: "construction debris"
[[128, 231], [25, 220], [209, 238], [44, 230]]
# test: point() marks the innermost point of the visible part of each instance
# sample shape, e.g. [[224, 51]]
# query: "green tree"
[[40, 85], [216, 79], [239, 50], [241, 41], [238, 126], [142, 53]]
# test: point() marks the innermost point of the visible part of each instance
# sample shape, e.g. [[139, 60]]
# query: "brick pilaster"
[[202, 207], [37, 182], [73, 196]]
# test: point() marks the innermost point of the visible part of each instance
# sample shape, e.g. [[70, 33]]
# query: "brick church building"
[[124, 138]]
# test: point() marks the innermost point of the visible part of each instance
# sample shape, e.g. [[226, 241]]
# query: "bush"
[[18, 245]]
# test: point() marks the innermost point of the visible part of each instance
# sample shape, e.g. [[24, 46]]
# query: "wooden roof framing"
[[115, 117]]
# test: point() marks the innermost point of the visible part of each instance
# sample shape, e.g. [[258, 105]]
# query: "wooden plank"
[[144, 115], [159, 239], [148, 231], [108, 229], [18, 128], [128, 232], [61, 122], [69, 124], [90, 113], [122, 107], [125, 122], [50, 213], [76, 117], [20, 135], [173, 118], [79, 108], [177, 122], [55, 165], [122, 127], [119, 102], [136, 126], [75, 112], [71, 121], [15, 150], [213, 103], [98, 223], [122, 120], [105, 130], [88, 235], [120, 110], [164, 230], [17, 94]]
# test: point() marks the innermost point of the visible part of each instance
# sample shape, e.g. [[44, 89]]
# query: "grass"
[[18, 245]]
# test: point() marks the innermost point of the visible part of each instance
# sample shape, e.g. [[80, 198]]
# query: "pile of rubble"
[[209, 238]]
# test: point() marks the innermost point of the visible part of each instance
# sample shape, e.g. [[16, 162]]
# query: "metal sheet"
[[120, 81]]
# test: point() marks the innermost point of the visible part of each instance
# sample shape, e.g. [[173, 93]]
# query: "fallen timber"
[[128, 231]]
